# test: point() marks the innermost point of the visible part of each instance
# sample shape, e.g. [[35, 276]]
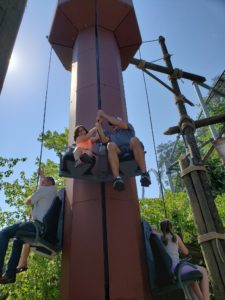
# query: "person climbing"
[[41, 201], [84, 140], [121, 139], [173, 244]]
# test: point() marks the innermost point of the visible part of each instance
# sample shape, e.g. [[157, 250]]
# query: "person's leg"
[[77, 153], [88, 152], [204, 283], [24, 256], [5, 235], [113, 152], [14, 258], [138, 152], [86, 156], [139, 156], [4, 240], [196, 289]]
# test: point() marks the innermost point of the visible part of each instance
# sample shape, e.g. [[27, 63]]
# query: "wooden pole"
[[199, 123], [204, 210], [201, 210], [166, 70]]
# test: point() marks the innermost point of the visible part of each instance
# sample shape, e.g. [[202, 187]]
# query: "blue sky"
[[195, 36]]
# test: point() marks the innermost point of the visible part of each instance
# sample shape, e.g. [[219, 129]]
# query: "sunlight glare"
[[13, 62]]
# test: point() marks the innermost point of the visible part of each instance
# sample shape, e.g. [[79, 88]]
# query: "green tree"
[[7, 166], [55, 141]]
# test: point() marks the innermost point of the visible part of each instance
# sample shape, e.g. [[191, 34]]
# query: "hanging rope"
[[154, 144], [97, 57], [103, 191], [44, 114]]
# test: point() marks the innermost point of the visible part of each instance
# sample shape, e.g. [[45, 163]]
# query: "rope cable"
[[153, 138], [103, 191], [44, 114], [97, 57]]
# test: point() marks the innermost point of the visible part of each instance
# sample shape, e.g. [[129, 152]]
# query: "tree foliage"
[[7, 167], [178, 210], [55, 141]]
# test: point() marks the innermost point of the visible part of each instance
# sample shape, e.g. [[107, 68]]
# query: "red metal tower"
[[103, 248]]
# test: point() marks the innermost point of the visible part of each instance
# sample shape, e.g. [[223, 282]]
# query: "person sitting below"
[[173, 244], [41, 200], [84, 140], [120, 140]]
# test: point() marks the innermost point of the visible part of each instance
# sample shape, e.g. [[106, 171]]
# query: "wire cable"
[[153, 138], [44, 114]]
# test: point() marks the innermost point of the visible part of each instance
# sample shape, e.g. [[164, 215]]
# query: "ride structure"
[[103, 253]]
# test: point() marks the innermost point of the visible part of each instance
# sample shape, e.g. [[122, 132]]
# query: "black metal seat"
[[162, 279], [99, 169], [45, 238]]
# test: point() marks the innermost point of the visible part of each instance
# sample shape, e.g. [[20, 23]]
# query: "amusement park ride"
[[103, 246]]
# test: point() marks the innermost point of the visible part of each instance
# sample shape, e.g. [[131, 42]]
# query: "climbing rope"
[[153, 138], [44, 114], [103, 192]]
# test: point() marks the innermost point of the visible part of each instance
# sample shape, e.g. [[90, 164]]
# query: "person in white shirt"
[[41, 201], [173, 244]]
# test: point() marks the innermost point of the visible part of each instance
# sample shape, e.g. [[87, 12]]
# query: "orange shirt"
[[85, 144]]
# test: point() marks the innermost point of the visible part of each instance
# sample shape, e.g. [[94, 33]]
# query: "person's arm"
[[28, 201], [87, 136], [102, 136], [95, 138], [36, 196], [114, 121], [183, 249], [42, 175]]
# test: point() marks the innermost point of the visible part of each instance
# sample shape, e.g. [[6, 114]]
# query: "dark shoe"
[[21, 269], [85, 158], [145, 179], [118, 184], [5, 279]]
